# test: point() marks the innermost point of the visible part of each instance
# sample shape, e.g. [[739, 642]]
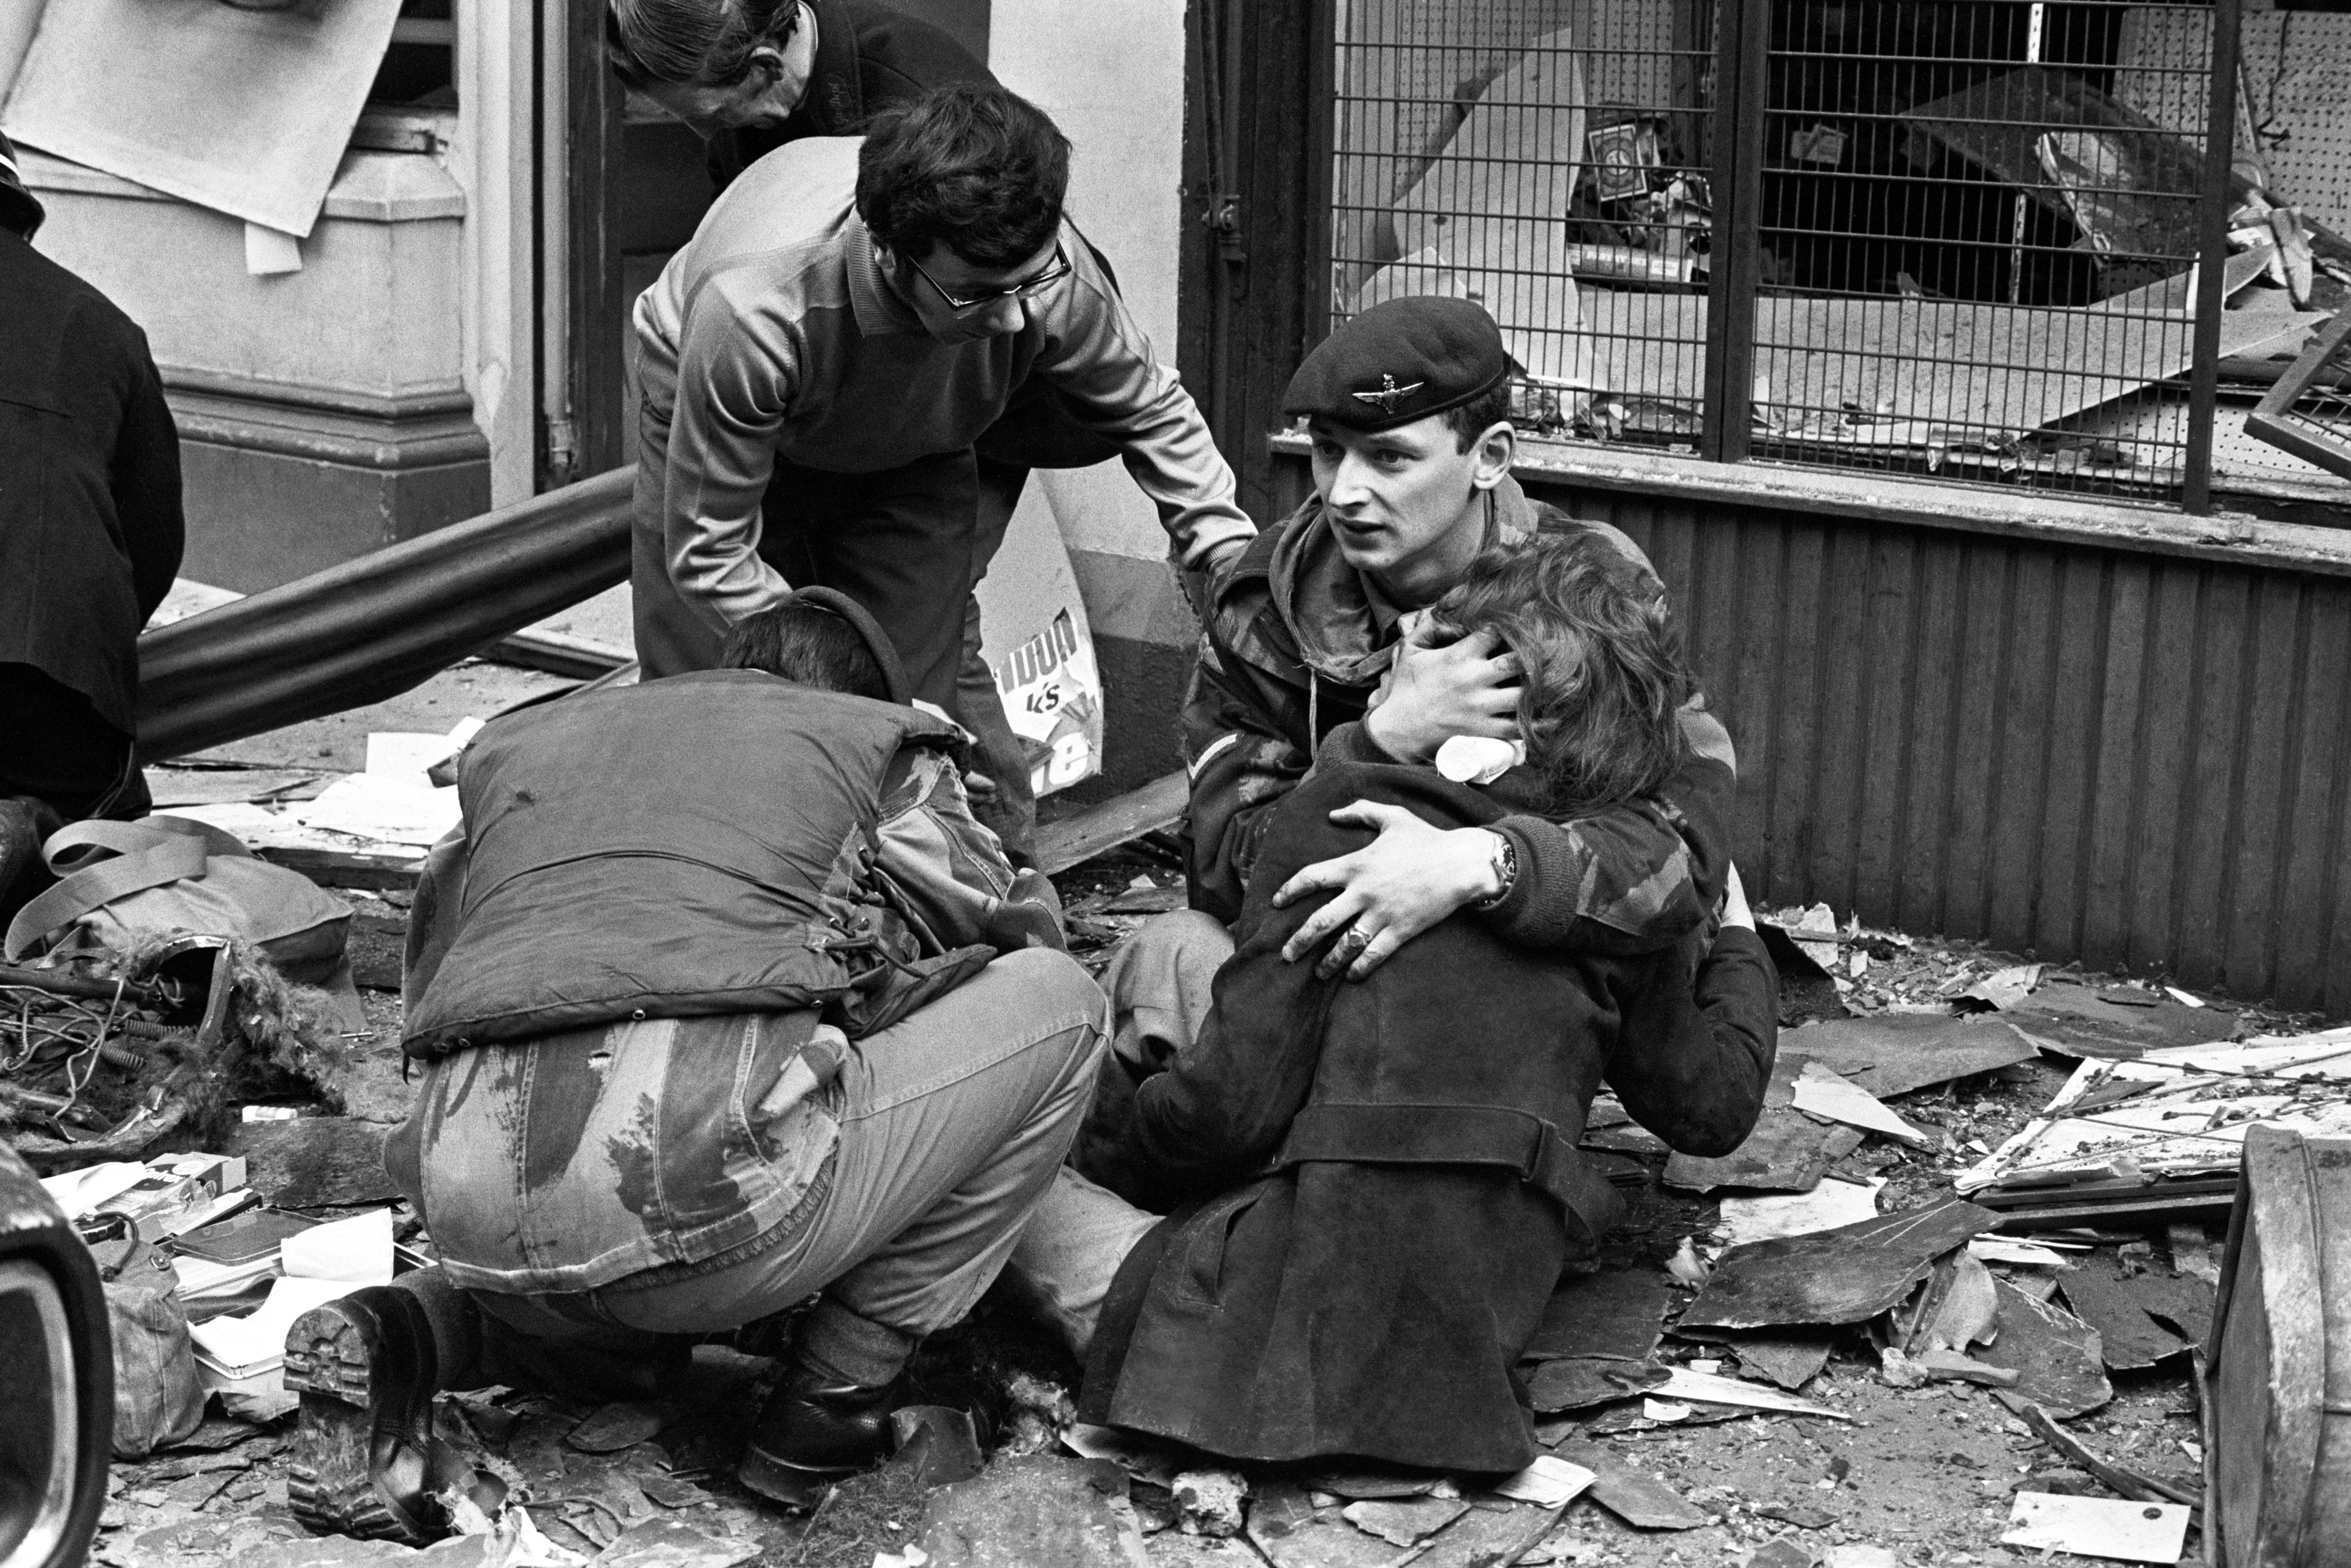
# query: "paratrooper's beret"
[[1399, 362]]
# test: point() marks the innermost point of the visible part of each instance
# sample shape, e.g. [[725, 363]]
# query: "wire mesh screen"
[[1977, 249], [1546, 159], [1975, 242]]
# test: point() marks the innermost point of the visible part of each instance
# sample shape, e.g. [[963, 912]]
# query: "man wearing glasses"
[[817, 365]]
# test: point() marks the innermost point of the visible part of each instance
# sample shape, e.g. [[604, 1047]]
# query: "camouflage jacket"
[[1295, 643], [570, 1161]]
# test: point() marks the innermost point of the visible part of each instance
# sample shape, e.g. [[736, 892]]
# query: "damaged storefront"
[[1966, 368]]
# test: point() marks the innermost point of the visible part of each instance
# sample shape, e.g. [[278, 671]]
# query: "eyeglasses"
[[1026, 288]]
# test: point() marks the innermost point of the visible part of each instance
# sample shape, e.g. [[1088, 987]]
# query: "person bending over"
[[1372, 1295], [816, 368], [722, 1002]]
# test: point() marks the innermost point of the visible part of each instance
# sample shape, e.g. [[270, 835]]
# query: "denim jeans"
[[952, 1124], [1158, 986]]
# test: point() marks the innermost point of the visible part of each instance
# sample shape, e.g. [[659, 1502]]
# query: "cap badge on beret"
[[1389, 394]]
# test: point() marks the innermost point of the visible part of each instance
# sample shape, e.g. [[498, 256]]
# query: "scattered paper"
[[382, 806], [257, 1340], [1826, 1206], [1824, 1092], [1547, 1483], [409, 755], [355, 1251], [79, 1192], [1684, 1384], [2098, 1527], [2182, 997], [269, 252], [2000, 1250]]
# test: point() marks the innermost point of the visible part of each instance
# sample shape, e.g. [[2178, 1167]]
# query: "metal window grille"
[[1547, 159], [1991, 240]]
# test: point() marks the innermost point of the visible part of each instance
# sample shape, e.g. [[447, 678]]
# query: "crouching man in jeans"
[[723, 1000]]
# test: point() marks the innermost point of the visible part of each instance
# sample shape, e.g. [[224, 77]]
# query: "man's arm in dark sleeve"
[[145, 482], [1222, 1111], [1692, 1061], [1242, 765], [1634, 878]]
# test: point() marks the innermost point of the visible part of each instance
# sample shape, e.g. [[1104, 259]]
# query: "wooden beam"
[[1157, 806]]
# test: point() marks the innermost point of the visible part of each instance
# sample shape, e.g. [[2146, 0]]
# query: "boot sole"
[[332, 1361], [793, 1486]]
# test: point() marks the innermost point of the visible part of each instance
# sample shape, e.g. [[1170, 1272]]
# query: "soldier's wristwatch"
[[1505, 870]]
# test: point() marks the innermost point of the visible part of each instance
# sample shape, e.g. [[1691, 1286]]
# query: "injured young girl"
[[1328, 1226]]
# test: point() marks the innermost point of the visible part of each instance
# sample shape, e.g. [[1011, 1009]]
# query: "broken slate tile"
[[2054, 1353], [1893, 1054], [1326, 1541], [2111, 1303], [1632, 1495], [1618, 1312], [1790, 1363], [1786, 1152], [1404, 1523], [614, 1428], [2080, 1022], [1784, 1553], [1842, 1276], [1579, 1383], [1174, 1549], [1804, 1516], [666, 1543], [1369, 1485]]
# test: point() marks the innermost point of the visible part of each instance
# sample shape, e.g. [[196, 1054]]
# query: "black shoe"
[[364, 1462], [813, 1432]]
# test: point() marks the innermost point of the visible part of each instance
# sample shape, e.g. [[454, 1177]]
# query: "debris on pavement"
[[2098, 1527], [2168, 1124], [1891, 1054], [1842, 1276], [1638, 1499], [2055, 1355], [1821, 1092]]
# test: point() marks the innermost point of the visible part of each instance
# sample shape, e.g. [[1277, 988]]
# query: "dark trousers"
[[53, 747]]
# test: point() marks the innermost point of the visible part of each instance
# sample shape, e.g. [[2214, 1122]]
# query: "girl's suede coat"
[[1378, 1181]]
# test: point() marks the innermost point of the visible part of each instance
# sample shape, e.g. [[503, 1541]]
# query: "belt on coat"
[[1493, 1135]]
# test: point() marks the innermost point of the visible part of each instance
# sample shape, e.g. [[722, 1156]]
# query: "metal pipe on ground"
[[369, 629]]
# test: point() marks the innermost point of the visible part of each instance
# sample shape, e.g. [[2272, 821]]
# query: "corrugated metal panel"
[[2138, 760]]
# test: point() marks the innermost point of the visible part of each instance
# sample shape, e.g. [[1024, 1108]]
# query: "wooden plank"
[[2208, 817], [1931, 727], [332, 868], [1886, 653], [2262, 791], [1841, 778], [2115, 780], [1794, 783], [2309, 860], [2164, 815], [1975, 758], [1156, 807], [1755, 696], [2021, 784], [2069, 804]]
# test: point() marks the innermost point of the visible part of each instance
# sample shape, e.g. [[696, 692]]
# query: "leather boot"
[[815, 1430], [364, 1462]]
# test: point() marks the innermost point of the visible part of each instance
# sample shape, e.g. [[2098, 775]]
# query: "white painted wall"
[[17, 20], [1111, 73]]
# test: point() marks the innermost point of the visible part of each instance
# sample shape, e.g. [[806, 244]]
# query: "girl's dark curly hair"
[[1600, 710]]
